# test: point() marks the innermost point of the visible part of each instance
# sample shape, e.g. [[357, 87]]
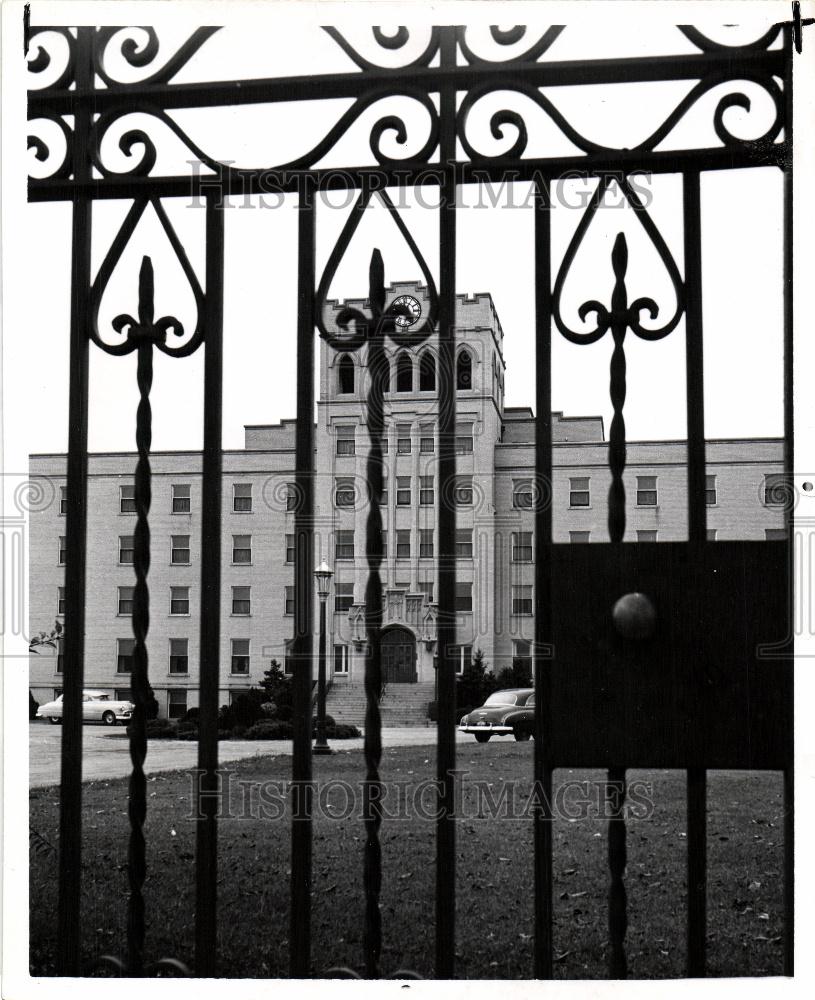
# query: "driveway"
[[106, 754]]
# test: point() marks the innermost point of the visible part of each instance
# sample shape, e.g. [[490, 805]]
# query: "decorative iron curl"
[[343, 972], [172, 966], [514, 118], [42, 59], [706, 44], [391, 42], [509, 37], [124, 322], [142, 55], [42, 151], [605, 317]]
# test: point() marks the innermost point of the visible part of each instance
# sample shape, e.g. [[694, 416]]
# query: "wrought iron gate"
[[636, 668]]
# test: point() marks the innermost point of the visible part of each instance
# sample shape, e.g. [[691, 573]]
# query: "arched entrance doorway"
[[398, 656]]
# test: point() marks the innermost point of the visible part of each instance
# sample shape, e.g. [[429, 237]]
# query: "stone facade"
[[495, 465]]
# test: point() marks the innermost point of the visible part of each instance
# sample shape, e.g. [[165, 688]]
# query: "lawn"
[[494, 871]]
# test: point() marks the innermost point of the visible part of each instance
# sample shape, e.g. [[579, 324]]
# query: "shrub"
[[329, 722], [342, 731], [191, 715], [33, 705], [226, 718], [187, 730], [476, 683], [269, 729], [246, 708]]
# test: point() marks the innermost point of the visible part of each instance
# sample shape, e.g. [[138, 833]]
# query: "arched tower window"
[[346, 374], [404, 373], [427, 372], [464, 371]]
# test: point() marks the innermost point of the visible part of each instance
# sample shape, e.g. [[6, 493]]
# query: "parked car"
[[504, 713], [97, 706]]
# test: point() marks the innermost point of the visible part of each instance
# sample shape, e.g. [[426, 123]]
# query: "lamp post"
[[323, 576]]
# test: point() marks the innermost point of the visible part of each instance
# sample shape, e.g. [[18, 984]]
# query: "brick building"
[[494, 545]]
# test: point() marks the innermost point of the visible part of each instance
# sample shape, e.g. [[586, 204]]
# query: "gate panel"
[[694, 693]]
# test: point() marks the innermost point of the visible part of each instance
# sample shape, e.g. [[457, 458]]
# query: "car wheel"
[[521, 735], [109, 719], [482, 737], [55, 720]]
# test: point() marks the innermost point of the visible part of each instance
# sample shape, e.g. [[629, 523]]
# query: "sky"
[[741, 254]]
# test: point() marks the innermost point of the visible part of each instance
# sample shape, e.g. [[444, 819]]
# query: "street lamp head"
[[323, 576]]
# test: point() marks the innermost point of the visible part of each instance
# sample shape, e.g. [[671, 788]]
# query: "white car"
[[97, 706]]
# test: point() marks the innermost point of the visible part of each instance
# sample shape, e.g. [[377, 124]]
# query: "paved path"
[[106, 753]]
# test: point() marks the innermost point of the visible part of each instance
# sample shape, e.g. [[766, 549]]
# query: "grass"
[[493, 871]]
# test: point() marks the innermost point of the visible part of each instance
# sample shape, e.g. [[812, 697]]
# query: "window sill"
[[179, 675], [179, 614], [241, 564], [173, 564], [238, 614]]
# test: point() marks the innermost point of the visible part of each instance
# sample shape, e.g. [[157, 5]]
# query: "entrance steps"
[[401, 705]]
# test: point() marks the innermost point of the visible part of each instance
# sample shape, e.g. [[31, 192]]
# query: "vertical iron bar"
[[378, 372], [789, 457], [542, 816], [696, 794], [617, 858], [139, 678], [301, 832], [446, 519], [70, 805], [206, 859]]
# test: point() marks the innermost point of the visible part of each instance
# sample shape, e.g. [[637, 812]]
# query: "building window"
[[240, 656], [710, 491], [403, 544], [383, 500], [427, 439], [124, 655], [464, 543], [61, 600], [125, 601], [579, 495], [346, 439], [403, 491], [462, 656], [344, 545], [775, 534], [345, 371], [63, 500], [646, 491], [127, 499], [343, 597], [774, 489], [242, 498], [427, 496], [291, 496], [427, 372], [61, 551], [403, 439], [179, 600], [464, 371], [180, 549], [125, 549], [464, 439], [522, 494], [60, 656], [711, 534], [289, 548], [426, 543], [345, 494], [464, 596], [181, 498], [176, 703], [426, 587], [179, 656], [578, 537], [522, 546], [522, 656], [288, 600], [340, 659], [463, 494], [522, 599], [649, 535], [241, 601], [241, 548], [404, 373]]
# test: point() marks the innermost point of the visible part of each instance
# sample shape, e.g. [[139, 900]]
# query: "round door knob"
[[634, 616]]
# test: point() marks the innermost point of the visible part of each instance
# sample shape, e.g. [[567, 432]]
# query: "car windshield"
[[500, 698]]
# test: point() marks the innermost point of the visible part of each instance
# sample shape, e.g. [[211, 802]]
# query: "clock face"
[[414, 310]]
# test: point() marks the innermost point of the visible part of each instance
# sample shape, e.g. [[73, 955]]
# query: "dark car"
[[504, 713]]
